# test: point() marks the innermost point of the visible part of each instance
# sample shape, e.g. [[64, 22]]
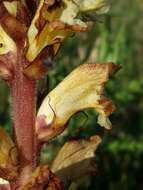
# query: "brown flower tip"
[[76, 159], [81, 89], [39, 67], [35, 70], [42, 178]]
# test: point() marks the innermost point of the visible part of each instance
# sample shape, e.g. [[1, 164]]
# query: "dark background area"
[[117, 37]]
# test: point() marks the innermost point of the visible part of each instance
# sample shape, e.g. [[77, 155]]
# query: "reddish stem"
[[23, 92], [4, 187]]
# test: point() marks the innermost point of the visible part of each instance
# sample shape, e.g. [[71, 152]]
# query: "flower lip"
[[81, 89]]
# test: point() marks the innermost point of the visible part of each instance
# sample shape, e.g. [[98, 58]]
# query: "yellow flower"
[[81, 89], [36, 30], [54, 21]]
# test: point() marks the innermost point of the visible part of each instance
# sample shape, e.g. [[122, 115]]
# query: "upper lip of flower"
[[81, 89]]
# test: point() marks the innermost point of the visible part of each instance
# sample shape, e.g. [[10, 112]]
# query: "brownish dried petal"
[[3, 10], [15, 29], [8, 157], [75, 151], [35, 70], [38, 68], [55, 184], [76, 159], [81, 89], [31, 5], [41, 178], [16, 9], [22, 13]]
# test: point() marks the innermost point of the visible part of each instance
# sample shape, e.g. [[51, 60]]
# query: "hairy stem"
[[4, 187], [23, 92]]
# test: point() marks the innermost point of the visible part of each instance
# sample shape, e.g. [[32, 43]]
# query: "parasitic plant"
[[30, 32]]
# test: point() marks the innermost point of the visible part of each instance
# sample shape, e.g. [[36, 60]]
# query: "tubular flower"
[[55, 20], [81, 89]]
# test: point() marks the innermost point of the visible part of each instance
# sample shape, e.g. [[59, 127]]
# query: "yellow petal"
[[8, 156], [98, 6], [73, 8], [69, 14], [64, 14], [41, 35], [48, 36], [81, 89], [11, 7], [76, 158], [6, 43], [6, 145]]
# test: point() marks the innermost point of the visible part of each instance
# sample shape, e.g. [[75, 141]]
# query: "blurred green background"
[[117, 37]]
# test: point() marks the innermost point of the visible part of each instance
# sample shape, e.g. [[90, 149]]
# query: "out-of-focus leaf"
[[56, 20], [42, 178], [76, 159], [8, 156], [81, 89]]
